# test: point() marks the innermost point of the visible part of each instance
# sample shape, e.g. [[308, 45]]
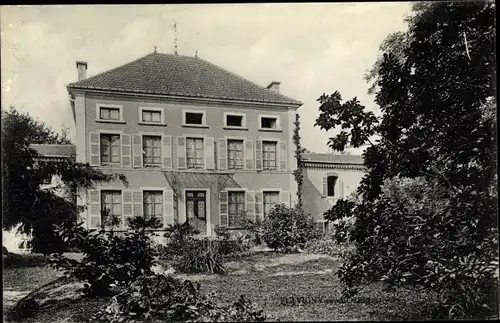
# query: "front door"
[[196, 213]]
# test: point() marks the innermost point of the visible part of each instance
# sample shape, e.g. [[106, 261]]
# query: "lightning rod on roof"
[[196, 52], [175, 39]]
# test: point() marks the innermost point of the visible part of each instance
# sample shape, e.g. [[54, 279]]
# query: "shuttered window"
[[153, 204], [269, 155], [110, 149], [194, 153], [111, 206], [152, 151], [270, 200], [236, 205], [331, 182], [235, 154]]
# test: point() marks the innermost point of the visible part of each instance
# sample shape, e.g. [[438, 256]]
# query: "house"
[[13, 240], [327, 178], [197, 143]]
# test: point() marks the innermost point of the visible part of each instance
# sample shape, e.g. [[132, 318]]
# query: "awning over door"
[[215, 181]]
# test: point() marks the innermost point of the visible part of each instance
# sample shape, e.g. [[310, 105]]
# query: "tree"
[[24, 203], [435, 86]]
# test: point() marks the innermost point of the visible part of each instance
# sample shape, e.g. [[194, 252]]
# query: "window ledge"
[[234, 128], [194, 125], [146, 123], [110, 121], [270, 130]]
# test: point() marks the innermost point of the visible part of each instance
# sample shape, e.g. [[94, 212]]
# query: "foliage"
[[176, 235], [285, 229], [24, 202], [299, 150], [108, 258], [426, 210], [199, 256], [163, 298], [327, 245]]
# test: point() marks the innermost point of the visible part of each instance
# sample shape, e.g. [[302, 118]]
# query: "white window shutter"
[[222, 154], [285, 198], [127, 207], [181, 152], [223, 208], [259, 205], [250, 204], [138, 207], [126, 151], [167, 152], [95, 149], [341, 187], [94, 211], [283, 155], [258, 154], [137, 150], [169, 208], [248, 154], [209, 153], [324, 182]]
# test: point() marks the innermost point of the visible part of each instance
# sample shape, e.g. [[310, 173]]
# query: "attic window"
[[195, 118], [268, 122], [235, 120]]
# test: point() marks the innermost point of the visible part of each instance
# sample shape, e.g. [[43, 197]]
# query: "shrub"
[[108, 258], [329, 246], [286, 229], [176, 235], [199, 256], [163, 298]]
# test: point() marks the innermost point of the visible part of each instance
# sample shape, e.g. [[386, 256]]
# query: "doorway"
[[196, 210]]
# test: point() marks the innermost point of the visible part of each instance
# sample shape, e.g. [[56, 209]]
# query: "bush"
[[328, 246], [176, 235], [163, 298], [286, 229], [108, 258], [199, 256]]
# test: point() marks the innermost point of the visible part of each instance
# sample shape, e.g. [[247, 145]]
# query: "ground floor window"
[[111, 207], [270, 200], [236, 203]]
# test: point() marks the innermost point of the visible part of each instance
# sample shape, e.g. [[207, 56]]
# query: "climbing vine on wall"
[[298, 173]]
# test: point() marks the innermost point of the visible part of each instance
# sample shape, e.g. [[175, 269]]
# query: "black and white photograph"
[[249, 162]]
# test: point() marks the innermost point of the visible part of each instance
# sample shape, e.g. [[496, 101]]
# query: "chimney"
[[82, 70], [274, 86]]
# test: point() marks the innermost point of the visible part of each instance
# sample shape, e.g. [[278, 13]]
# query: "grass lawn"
[[289, 288]]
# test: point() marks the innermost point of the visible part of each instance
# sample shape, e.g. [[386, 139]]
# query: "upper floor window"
[[111, 206], [151, 116], [152, 151], [269, 122], [153, 204], [194, 153], [110, 149], [270, 200], [235, 154], [331, 182], [111, 113], [234, 120], [269, 155], [196, 118]]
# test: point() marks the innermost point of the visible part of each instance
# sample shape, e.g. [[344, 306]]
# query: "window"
[[331, 182], [153, 204], [270, 200], [236, 205], [111, 207], [109, 113], [151, 116], [234, 120], [194, 153], [235, 154], [110, 149], [268, 122], [323, 226], [195, 118], [152, 151], [269, 155]]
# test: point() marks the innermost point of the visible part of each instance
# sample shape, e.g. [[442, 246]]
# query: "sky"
[[310, 48]]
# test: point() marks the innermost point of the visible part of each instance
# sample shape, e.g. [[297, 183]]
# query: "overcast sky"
[[310, 48]]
